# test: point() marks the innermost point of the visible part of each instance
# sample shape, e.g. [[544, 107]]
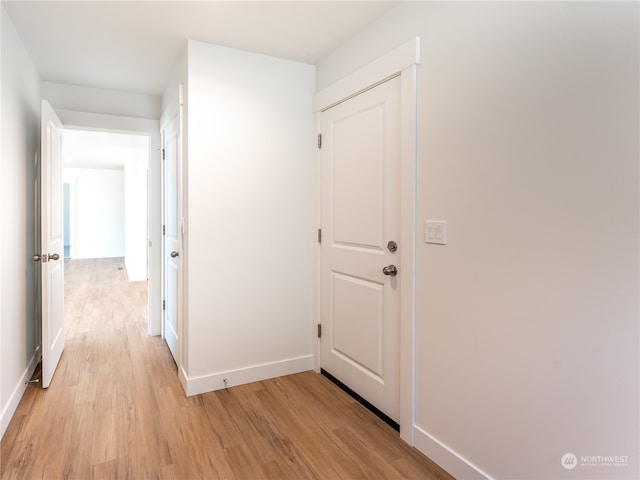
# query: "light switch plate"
[[435, 232]]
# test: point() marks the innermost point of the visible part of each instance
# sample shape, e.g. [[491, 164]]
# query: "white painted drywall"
[[135, 212], [527, 320], [101, 101], [249, 215], [19, 144], [99, 212]]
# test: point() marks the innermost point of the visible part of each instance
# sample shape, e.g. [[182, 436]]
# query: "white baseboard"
[[446, 458], [16, 395], [254, 373], [182, 377]]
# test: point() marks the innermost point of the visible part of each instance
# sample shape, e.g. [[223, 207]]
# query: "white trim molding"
[[446, 458], [111, 123], [18, 391], [241, 376], [402, 62], [372, 74]]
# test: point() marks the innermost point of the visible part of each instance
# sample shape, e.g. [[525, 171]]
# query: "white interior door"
[[172, 233], [52, 243], [360, 217]]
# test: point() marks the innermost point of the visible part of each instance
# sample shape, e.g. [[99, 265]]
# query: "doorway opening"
[[106, 207], [105, 177]]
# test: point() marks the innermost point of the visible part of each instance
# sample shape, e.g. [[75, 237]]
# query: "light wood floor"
[[115, 409]]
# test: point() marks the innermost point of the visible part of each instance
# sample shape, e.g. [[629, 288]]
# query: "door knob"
[[53, 256], [37, 257], [174, 254], [390, 270]]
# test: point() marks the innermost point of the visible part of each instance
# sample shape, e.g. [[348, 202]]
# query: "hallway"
[[115, 409]]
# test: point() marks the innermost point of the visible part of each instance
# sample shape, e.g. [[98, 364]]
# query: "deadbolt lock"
[[392, 246]]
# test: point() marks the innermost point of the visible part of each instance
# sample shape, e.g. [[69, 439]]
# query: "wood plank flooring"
[[116, 410]]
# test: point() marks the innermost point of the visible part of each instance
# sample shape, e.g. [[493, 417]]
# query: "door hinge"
[[163, 154], [164, 229], [319, 235], [164, 304], [319, 140], [319, 330]]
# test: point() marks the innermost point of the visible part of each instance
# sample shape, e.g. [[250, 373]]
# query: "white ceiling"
[[133, 45]]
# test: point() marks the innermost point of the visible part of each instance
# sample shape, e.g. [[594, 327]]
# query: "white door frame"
[[403, 62]]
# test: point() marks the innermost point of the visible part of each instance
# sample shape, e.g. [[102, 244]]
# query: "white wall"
[[135, 208], [98, 211], [249, 217], [527, 321], [19, 144], [101, 101]]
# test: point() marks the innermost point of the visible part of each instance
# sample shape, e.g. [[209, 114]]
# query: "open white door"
[[52, 243]]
